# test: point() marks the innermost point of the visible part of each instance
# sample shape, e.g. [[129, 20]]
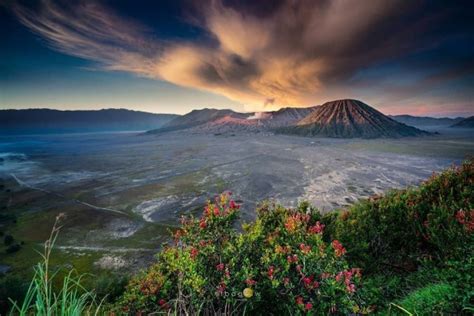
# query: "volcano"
[[350, 119]]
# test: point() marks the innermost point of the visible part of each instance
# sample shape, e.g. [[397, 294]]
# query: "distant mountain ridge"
[[341, 118], [49, 121], [425, 120], [465, 123], [349, 118]]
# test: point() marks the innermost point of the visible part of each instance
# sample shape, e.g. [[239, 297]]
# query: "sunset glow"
[[399, 56]]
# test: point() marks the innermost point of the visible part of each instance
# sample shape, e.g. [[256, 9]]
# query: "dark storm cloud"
[[290, 52]]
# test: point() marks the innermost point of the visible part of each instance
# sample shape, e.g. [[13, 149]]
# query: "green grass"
[[42, 298], [429, 300]]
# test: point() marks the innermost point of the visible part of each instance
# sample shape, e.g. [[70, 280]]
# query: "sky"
[[401, 57]]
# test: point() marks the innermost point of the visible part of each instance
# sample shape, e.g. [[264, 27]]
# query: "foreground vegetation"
[[407, 252]]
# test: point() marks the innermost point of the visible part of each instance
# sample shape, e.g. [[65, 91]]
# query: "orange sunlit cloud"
[[299, 54]]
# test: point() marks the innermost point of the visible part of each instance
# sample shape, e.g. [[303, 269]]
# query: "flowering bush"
[[433, 222], [279, 264]]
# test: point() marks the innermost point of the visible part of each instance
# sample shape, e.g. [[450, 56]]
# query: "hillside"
[[196, 118], [258, 122], [52, 121], [421, 121], [350, 119], [287, 116], [228, 121], [465, 123]]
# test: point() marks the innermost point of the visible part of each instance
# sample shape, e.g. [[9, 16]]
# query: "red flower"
[[338, 248], [206, 210], [315, 284], [220, 267], [466, 219], [202, 223], [232, 204], [286, 281], [461, 217], [161, 302], [299, 268], [317, 228], [357, 272], [216, 211], [308, 306], [270, 272], [305, 248], [306, 281], [299, 300], [194, 253], [221, 288], [350, 288], [292, 259], [250, 282]]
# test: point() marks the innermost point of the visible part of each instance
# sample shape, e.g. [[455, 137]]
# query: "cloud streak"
[[293, 53]]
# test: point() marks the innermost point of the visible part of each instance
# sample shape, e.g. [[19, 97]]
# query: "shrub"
[[401, 230], [411, 240], [109, 286], [279, 264]]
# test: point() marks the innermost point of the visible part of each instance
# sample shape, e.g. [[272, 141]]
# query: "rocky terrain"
[[350, 119]]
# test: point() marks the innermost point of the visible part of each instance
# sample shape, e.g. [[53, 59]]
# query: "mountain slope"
[[465, 123], [47, 120], [228, 121], [196, 118], [425, 120], [287, 116], [348, 119]]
